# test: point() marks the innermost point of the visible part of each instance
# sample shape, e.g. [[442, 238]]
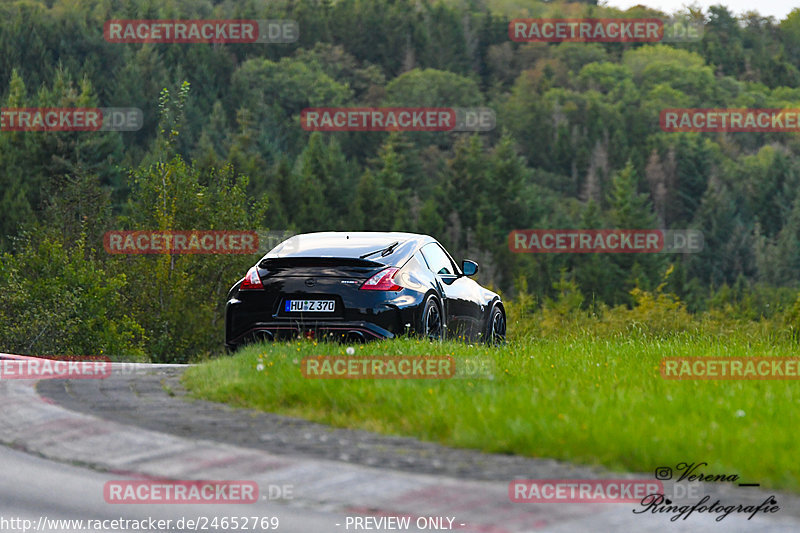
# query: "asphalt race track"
[[64, 439]]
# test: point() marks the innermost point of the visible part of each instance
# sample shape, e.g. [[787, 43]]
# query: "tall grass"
[[567, 386]]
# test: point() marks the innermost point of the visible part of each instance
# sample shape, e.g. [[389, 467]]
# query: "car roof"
[[352, 244]]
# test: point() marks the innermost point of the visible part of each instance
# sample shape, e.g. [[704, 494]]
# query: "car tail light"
[[251, 281], [382, 281]]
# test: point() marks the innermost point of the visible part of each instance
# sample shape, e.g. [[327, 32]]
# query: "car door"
[[462, 309]]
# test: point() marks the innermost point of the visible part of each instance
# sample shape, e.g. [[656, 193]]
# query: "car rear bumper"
[[382, 319], [319, 329]]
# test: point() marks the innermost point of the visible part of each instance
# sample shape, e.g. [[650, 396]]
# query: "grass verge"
[[584, 399]]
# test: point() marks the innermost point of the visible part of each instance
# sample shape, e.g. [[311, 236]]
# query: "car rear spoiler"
[[268, 263]]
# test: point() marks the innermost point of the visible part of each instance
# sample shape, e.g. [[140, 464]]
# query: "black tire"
[[496, 328], [431, 323]]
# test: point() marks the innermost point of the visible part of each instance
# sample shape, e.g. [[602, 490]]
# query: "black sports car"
[[359, 286]]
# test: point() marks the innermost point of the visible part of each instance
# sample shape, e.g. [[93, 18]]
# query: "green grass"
[[588, 400]]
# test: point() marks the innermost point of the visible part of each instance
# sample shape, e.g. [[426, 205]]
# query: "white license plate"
[[310, 306]]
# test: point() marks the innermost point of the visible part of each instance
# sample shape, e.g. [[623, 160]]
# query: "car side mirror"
[[470, 268]]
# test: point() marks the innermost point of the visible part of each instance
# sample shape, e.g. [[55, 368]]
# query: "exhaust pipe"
[[264, 335], [355, 336]]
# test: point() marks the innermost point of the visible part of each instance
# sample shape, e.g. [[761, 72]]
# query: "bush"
[[59, 300]]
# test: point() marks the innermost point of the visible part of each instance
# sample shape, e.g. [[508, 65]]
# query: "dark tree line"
[[577, 144]]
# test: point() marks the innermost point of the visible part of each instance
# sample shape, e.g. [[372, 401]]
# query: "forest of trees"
[[577, 145]]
